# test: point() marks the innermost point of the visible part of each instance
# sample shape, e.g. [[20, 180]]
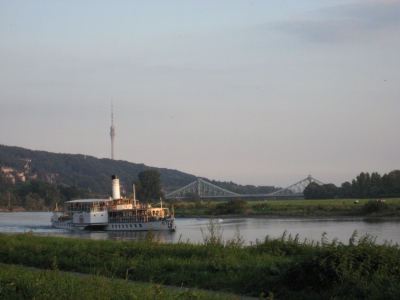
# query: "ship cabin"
[[87, 205], [128, 210]]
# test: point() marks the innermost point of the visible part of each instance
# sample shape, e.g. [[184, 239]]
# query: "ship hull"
[[167, 225]]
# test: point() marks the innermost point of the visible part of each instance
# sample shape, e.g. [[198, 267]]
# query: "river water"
[[192, 230]]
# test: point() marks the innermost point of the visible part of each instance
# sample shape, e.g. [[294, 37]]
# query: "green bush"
[[230, 207], [360, 270], [374, 206]]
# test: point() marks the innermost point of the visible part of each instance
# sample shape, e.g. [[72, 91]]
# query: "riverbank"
[[284, 267], [376, 208], [12, 209]]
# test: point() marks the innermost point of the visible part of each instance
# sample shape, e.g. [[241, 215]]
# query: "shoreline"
[[238, 216], [261, 216]]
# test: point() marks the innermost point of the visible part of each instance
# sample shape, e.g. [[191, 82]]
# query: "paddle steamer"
[[116, 213]]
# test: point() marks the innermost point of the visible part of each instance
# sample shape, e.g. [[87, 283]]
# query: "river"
[[190, 229]]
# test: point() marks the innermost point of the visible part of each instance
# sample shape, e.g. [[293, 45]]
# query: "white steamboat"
[[116, 213]]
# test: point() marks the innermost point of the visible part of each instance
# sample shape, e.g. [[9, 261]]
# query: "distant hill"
[[88, 172], [84, 171]]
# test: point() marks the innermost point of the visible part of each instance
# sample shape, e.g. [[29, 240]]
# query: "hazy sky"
[[254, 92]]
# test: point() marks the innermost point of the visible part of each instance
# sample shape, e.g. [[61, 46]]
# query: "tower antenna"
[[112, 130]]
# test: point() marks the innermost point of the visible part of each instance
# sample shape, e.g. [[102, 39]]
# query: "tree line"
[[39, 195], [364, 185], [244, 189]]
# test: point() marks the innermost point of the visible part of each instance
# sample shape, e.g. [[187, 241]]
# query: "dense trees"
[[83, 171], [234, 206], [192, 197], [363, 186], [5, 186], [245, 189], [148, 186], [5, 183], [316, 191], [36, 195]]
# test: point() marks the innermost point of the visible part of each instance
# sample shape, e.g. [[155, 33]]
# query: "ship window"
[[135, 226], [119, 226], [140, 225], [130, 225]]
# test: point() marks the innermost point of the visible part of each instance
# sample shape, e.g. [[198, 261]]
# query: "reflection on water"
[[190, 229]]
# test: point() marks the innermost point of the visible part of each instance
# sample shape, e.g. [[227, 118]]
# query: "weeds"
[[284, 267], [17, 283], [214, 237]]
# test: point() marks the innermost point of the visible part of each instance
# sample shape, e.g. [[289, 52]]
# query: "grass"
[[17, 283], [290, 208], [284, 267]]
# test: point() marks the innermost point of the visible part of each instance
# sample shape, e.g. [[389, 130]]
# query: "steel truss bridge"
[[207, 190]]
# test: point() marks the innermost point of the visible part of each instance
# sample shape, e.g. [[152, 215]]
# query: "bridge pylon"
[[297, 188], [203, 188]]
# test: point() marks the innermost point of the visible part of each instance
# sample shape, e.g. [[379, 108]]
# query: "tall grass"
[[17, 283], [285, 266], [360, 270]]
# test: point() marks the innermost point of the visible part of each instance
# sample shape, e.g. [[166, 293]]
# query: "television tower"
[[112, 131]]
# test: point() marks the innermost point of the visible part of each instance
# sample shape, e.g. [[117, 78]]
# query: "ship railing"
[[87, 209], [133, 219]]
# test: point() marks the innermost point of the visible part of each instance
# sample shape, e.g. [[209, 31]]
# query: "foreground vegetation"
[[284, 267], [292, 208], [17, 283]]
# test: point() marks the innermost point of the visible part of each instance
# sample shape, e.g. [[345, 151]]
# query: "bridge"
[[207, 190]]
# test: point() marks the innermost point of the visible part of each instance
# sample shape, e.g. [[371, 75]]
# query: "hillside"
[[83, 171], [93, 174]]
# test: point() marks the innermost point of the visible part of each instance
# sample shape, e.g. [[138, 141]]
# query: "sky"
[[253, 92]]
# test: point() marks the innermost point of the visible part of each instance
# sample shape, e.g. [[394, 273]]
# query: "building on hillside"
[[6, 170], [20, 176], [13, 174]]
